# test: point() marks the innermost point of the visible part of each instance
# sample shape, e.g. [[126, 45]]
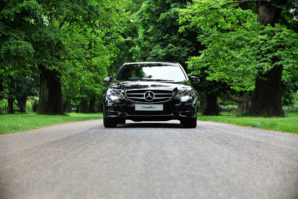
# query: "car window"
[[134, 72]]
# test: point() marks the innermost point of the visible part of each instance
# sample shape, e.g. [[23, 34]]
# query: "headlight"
[[114, 95], [185, 95]]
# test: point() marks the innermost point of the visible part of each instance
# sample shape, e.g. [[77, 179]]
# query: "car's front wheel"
[[189, 122], [109, 122]]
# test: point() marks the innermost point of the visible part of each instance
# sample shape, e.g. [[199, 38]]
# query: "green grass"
[[10, 123], [286, 124]]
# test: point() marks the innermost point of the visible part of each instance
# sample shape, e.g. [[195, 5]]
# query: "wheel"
[[189, 122], [109, 122]]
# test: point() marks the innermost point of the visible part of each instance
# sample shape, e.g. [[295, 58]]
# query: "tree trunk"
[[243, 103], [1, 88], [99, 107], [35, 105], [243, 106], [10, 105], [67, 108], [22, 103], [203, 103], [50, 101], [92, 105], [267, 98], [83, 106], [212, 107]]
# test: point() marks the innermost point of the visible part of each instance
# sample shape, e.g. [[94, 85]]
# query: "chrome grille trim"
[[138, 95]]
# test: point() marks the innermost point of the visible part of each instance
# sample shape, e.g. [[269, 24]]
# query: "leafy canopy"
[[238, 48]]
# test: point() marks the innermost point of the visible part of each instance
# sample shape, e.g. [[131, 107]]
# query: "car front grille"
[[158, 96]]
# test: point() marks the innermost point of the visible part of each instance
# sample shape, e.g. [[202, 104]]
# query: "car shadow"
[[149, 125]]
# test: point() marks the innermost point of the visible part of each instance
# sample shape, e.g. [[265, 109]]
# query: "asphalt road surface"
[[137, 160]]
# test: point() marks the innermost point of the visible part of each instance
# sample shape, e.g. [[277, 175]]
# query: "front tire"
[[109, 122], [189, 122]]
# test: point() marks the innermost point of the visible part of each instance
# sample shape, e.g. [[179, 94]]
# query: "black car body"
[[150, 91]]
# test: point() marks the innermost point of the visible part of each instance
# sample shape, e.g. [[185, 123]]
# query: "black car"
[[150, 91]]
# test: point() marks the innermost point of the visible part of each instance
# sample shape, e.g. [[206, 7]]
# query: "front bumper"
[[171, 110]]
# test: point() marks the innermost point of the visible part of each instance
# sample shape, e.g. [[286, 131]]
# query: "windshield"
[[149, 72]]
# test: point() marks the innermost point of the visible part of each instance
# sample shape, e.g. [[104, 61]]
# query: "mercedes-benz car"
[[150, 91]]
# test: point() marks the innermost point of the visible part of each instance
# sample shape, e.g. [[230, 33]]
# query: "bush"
[[227, 108], [28, 107], [3, 106], [291, 109]]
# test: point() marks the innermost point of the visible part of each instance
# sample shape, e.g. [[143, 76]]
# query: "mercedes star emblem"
[[149, 96]]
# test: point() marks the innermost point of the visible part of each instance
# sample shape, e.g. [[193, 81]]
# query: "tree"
[[17, 52], [160, 40], [62, 16], [67, 43], [125, 40], [29, 43], [95, 50], [17, 88], [268, 94], [242, 52]]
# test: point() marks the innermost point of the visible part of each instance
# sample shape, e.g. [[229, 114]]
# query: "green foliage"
[[18, 85], [289, 92], [77, 39], [237, 58], [87, 40], [289, 15], [3, 106], [93, 51], [238, 48], [28, 107], [159, 38]]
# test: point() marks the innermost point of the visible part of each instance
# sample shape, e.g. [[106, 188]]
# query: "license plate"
[[149, 107]]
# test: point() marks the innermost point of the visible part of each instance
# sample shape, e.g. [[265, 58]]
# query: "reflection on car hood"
[[150, 85]]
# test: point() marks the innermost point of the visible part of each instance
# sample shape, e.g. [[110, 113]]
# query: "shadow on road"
[[150, 125]]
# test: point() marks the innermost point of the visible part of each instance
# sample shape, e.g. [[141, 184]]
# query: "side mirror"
[[107, 79], [194, 79]]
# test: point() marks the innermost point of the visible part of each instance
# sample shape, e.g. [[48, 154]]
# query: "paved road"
[[85, 160]]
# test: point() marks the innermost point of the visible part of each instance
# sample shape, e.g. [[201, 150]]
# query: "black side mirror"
[[107, 79], [194, 79]]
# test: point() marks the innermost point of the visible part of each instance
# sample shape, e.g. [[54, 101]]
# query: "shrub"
[[3, 106]]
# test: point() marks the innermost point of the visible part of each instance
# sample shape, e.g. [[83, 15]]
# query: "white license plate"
[[149, 107]]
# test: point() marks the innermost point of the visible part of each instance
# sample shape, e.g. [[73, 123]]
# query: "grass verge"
[[10, 123], [286, 124]]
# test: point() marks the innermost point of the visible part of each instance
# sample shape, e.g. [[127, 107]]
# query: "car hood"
[[125, 85]]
